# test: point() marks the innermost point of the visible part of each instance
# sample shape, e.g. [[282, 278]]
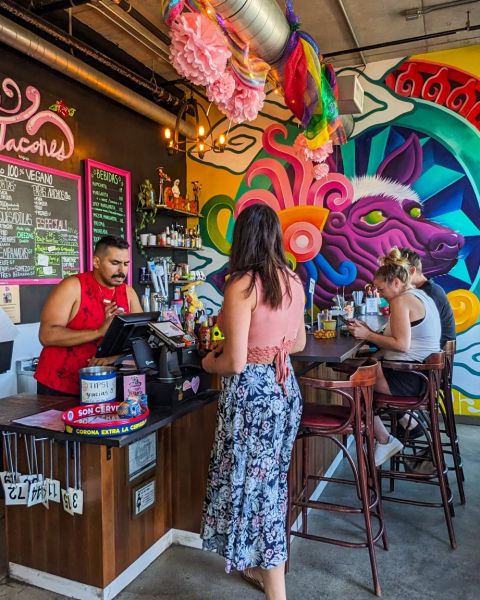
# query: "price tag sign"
[[45, 494], [9, 477], [36, 493], [53, 489], [16, 493], [31, 479], [66, 501], [76, 500]]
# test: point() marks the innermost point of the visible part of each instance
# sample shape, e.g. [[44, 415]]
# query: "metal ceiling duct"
[[261, 22], [32, 45]]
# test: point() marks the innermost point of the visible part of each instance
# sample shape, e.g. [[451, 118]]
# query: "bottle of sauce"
[[204, 336]]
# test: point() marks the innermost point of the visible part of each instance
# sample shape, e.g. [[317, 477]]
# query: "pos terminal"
[[162, 350]]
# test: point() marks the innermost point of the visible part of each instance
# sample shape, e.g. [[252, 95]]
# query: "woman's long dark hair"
[[257, 248]]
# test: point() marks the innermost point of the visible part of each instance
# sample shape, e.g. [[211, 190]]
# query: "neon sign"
[[33, 119]]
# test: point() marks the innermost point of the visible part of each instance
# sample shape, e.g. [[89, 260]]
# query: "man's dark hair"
[[110, 241], [412, 257]]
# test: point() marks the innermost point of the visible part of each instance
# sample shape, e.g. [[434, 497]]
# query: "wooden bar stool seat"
[[316, 416], [431, 370], [355, 417]]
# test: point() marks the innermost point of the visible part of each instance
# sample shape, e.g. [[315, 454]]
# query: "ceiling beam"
[[43, 7], [418, 38]]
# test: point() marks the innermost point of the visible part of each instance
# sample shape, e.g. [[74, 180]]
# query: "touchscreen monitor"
[[122, 331]]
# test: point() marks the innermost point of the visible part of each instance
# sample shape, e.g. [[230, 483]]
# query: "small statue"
[[176, 188], [197, 188], [162, 177]]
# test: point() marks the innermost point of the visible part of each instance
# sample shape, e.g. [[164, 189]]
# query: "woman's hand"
[[359, 330], [217, 348], [208, 362]]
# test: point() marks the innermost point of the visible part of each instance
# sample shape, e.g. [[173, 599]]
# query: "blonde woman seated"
[[412, 333]]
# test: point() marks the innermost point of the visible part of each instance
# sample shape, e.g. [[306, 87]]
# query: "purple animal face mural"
[[386, 212], [366, 216]]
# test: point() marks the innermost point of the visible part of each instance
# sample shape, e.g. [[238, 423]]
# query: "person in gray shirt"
[[435, 292]]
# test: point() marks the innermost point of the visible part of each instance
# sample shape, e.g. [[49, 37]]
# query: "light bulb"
[[201, 131], [167, 133]]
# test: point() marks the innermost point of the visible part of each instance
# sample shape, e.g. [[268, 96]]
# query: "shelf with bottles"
[[167, 210], [182, 282], [174, 247]]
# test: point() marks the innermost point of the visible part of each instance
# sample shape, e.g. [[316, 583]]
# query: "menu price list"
[[108, 203], [39, 223]]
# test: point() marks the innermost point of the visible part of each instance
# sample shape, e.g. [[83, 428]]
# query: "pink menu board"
[[108, 200], [40, 223]]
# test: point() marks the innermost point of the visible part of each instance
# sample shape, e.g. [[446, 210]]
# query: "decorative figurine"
[[197, 188], [176, 188], [162, 177]]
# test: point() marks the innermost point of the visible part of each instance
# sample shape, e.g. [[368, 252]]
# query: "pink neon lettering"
[[34, 120]]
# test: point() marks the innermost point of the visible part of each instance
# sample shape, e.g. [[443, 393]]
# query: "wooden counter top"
[[23, 405]]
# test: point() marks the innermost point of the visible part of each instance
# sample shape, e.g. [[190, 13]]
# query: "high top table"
[[334, 350]]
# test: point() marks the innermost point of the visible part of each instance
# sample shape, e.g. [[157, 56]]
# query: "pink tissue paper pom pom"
[[320, 171], [244, 104], [198, 50], [319, 155], [221, 90]]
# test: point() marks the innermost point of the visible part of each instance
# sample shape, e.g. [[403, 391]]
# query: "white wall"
[[26, 345]]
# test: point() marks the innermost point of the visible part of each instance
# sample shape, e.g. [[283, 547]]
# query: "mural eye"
[[374, 217], [415, 212]]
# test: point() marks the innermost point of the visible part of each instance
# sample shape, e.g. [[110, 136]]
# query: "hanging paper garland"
[[198, 50], [203, 43]]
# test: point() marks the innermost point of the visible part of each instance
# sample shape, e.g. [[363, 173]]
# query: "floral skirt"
[[246, 502]]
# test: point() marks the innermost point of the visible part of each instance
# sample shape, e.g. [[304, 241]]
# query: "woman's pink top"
[[272, 333]]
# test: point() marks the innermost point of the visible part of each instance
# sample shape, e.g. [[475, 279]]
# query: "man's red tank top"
[[58, 366]]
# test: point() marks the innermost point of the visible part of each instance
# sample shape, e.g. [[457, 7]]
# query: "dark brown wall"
[[103, 130]]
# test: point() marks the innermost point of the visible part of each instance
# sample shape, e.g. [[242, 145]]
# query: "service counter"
[[134, 507], [122, 528]]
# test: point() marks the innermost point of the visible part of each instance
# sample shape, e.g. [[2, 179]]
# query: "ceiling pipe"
[[41, 8], [124, 21], [414, 13], [60, 36], [135, 14], [32, 45], [346, 18], [418, 38], [260, 22]]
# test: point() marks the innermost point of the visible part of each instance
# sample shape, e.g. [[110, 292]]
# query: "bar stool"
[[450, 442], [431, 370], [355, 418], [452, 446]]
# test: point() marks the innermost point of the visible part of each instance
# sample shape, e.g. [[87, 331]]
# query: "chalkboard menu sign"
[[40, 223], [108, 205]]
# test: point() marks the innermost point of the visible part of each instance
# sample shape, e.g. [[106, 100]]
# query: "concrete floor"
[[419, 565]]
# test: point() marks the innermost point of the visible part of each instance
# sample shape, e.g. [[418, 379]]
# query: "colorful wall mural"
[[407, 176]]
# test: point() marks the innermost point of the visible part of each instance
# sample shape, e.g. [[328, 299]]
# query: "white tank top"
[[425, 335]]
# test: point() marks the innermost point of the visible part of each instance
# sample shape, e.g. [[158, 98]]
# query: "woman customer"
[[260, 406], [412, 333]]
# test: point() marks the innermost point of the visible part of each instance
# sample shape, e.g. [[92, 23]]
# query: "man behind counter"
[[77, 314]]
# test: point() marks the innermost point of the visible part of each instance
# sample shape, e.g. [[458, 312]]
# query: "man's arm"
[[133, 301], [59, 309]]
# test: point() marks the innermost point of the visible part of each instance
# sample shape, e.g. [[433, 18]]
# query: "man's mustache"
[[119, 276]]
